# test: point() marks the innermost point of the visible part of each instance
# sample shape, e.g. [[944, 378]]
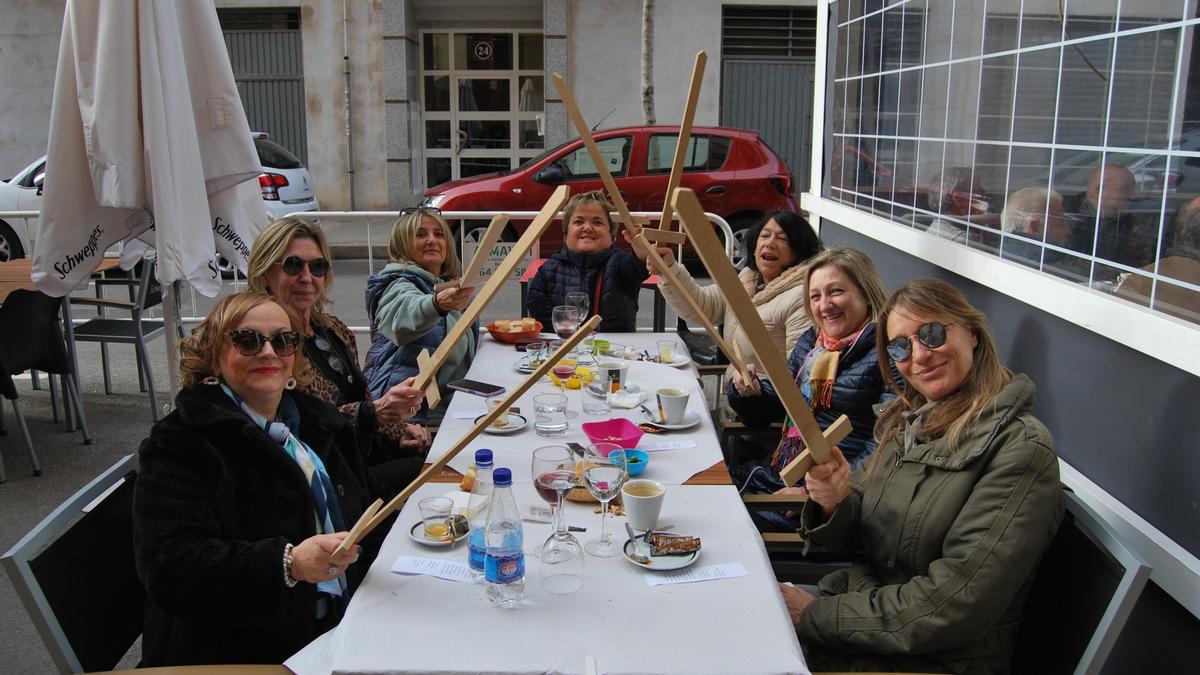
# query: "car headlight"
[[432, 201]]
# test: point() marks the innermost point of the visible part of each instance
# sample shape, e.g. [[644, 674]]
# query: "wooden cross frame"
[[540, 222], [771, 359], [470, 276], [375, 515], [685, 134]]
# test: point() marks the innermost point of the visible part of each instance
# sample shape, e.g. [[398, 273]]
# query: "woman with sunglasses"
[[290, 260], [407, 315], [953, 512], [834, 363], [244, 492]]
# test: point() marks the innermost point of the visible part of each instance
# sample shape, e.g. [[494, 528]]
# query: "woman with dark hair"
[[243, 494], [776, 248], [953, 512]]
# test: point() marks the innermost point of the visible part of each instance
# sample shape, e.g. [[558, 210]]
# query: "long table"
[[494, 363], [618, 622]]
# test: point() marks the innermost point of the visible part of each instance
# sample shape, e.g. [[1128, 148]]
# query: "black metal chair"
[[74, 572], [135, 330], [37, 345]]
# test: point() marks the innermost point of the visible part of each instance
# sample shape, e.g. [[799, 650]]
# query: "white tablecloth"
[[421, 624], [494, 364]]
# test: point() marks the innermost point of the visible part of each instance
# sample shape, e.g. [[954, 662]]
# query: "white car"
[[285, 184]]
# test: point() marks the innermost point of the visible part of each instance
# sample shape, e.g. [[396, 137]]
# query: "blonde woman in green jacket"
[[954, 510]]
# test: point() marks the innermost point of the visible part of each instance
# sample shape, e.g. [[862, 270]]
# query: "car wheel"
[[740, 225], [10, 245]]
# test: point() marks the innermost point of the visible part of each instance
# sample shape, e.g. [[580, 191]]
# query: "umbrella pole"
[[171, 323]]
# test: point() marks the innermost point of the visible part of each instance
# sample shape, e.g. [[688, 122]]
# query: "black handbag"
[[701, 346]]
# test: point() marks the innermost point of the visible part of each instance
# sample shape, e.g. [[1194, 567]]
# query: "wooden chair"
[[74, 573]]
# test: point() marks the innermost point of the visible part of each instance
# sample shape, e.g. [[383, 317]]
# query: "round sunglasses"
[[932, 335], [249, 342], [294, 265]]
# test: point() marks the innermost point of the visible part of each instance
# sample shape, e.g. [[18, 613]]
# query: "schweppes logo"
[[73, 260]]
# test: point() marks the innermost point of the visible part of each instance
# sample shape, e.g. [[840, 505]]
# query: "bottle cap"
[[502, 477], [483, 457]]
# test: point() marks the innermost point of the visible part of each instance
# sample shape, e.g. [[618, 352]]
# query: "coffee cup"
[[643, 501], [611, 376], [673, 403]]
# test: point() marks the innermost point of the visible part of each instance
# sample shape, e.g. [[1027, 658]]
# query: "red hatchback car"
[[733, 172]]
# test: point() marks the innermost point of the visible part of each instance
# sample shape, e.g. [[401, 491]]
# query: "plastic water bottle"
[[504, 566], [477, 511]]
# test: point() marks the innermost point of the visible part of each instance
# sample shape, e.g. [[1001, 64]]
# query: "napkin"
[[626, 399]]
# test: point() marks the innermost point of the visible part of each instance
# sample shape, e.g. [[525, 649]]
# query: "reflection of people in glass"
[[1103, 212], [1180, 261], [957, 195], [1037, 213]]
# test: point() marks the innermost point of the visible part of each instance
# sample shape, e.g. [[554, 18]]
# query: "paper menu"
[[433, 567], [693, 574]]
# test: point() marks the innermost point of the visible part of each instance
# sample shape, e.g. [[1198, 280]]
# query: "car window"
[[35, 177], [275, 156], [615, 151], [704, 153]]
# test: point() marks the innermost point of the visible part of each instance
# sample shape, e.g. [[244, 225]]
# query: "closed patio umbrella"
[[148, 140]]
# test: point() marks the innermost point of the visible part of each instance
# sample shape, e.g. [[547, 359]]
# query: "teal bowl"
[[635, 461]]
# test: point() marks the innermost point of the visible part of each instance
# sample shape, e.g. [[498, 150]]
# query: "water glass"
[[550, 414], [604, 472], [435, 516], [666, 351]]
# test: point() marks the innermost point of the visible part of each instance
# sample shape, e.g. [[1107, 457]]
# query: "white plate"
[[417, 534], [690, 419], [679, 361], [594, 389], [660, 563], [515, 423]]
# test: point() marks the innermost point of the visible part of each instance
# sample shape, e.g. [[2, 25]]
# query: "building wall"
[[29, 37]]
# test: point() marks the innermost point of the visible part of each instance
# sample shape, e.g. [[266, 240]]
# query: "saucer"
[[690, 419], [515, 423], [660, 563], [595, 389], [679, 360], [417, 534], [523, 365]]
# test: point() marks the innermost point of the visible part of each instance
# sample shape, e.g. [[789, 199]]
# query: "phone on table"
[[475, 387]]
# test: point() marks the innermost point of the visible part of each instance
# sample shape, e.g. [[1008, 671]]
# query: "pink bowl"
[[617, 430]]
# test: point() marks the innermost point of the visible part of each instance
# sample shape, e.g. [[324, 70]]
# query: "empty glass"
[[550, 414], [553, 470], [603, 473], [580, 300]]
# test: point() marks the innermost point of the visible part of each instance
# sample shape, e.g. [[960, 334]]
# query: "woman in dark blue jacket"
[[590, 263], [834, 363]]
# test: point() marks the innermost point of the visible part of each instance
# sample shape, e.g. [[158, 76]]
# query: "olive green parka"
[[951, 541]]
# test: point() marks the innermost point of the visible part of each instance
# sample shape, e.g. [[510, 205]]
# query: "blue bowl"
[[635, 461]]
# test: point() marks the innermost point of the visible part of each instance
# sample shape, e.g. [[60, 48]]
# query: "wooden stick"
[[502, 409], [433, 395], [492, 287], [585, 134], [666, 273], [667, 236], [795, 470], [741, 363], [685, 134], [356, 531], [770, 357], [470, 276]]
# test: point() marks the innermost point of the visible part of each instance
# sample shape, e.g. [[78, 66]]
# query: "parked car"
[[733, 172], [284, 182]]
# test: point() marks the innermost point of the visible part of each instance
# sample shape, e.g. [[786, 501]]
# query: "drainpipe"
[[349, 109]]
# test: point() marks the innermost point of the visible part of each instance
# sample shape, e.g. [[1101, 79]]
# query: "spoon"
[[636, 557]]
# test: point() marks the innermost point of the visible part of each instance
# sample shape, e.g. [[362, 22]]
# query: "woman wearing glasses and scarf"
[[243, 494], [953, 512], [407, 315], [290, 260], [834, 362]]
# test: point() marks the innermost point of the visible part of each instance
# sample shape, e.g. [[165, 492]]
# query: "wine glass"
[[603, 473], [553, 470], [563, 372], [565, 319], [579, 299]]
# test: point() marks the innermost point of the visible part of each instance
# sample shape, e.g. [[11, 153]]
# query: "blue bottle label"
[[504, 569]]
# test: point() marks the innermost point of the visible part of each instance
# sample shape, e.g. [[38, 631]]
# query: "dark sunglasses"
[[249, 342], [932, 335], [420, 209], [294, 265]]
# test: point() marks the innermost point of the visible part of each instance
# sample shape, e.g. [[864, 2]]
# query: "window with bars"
[[1062, 136], [769, 33]]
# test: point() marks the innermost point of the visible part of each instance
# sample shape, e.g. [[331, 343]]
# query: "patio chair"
[[37, 345], [135, 330], [74, 573]]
